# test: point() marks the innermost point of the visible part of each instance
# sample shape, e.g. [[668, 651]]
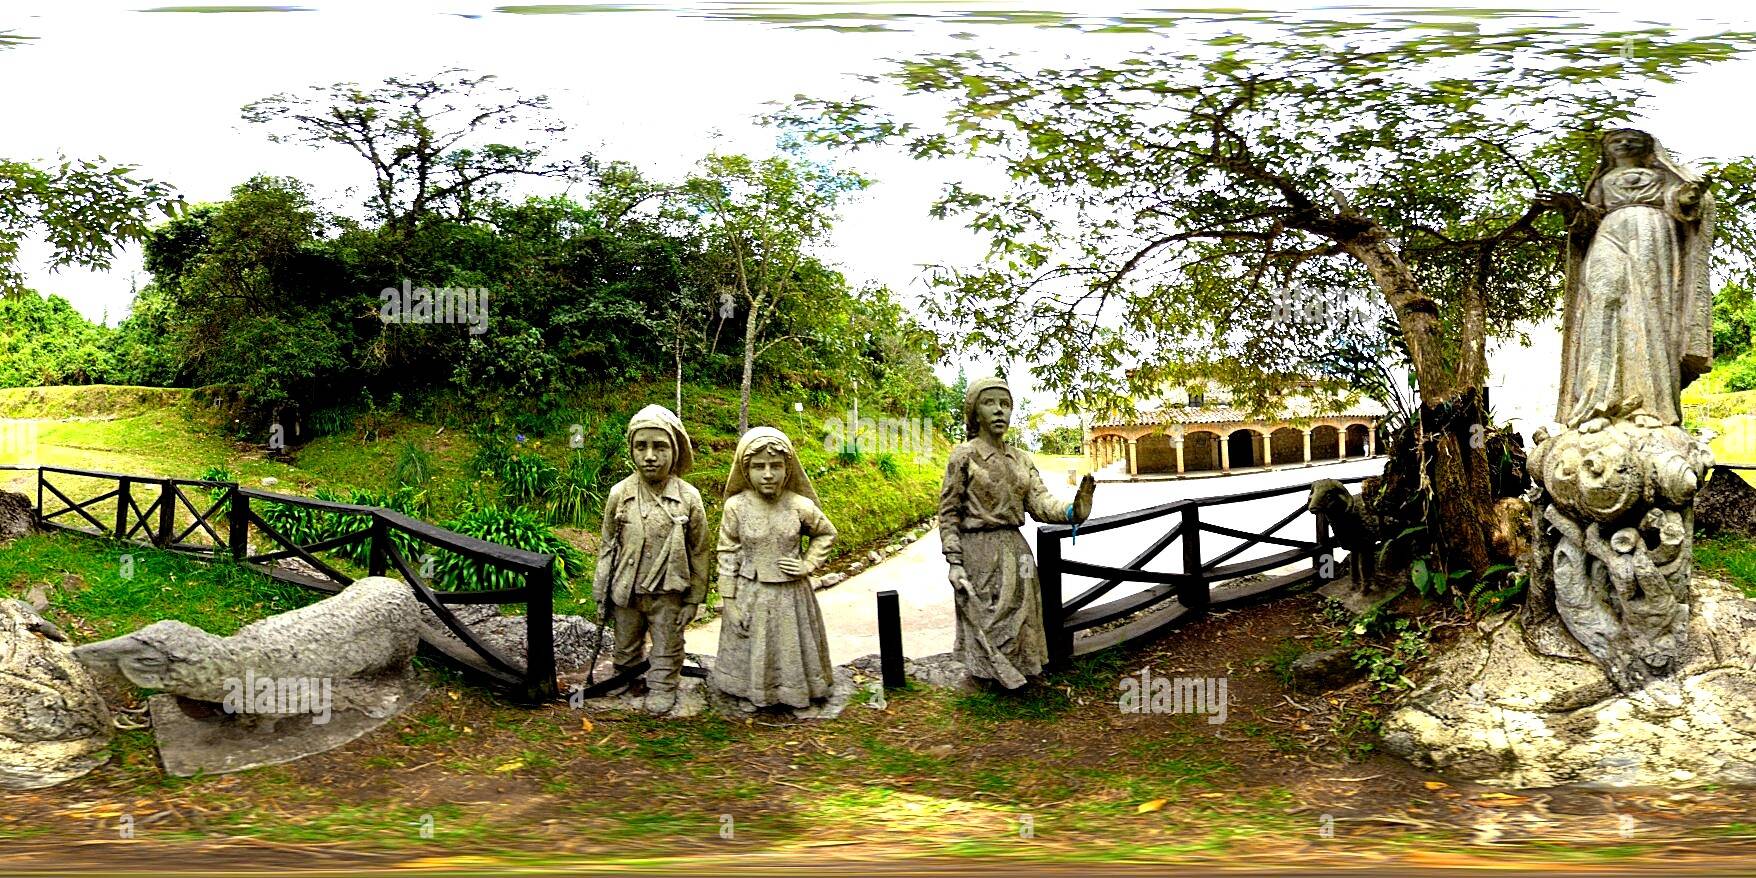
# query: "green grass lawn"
[[111, 588], [1730, 558]]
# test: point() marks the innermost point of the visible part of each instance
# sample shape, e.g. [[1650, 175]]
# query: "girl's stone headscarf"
[[971, 428], [760, 439], [659, 417]]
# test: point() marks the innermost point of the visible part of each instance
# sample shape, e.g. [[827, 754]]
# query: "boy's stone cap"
[[659, 417]]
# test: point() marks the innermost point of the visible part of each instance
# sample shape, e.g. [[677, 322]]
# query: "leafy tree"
[[85, 209], [760, 221], [1062, 440], [426, 140], [1273, 198], [44, 341], [254, 298], [1732, 321]]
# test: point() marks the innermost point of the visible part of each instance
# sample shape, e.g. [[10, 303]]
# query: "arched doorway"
[[1286, 445], [1325, 442], [1156, 454], [1356, 440], [1200, 451], [1241, 448]]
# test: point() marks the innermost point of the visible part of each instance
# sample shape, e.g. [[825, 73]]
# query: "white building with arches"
[[1203, 434]]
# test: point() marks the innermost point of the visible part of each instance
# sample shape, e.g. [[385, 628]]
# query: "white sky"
[[659, 88]]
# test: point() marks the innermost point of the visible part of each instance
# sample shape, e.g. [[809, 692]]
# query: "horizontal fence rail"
[[1174, 596], [210, 519]]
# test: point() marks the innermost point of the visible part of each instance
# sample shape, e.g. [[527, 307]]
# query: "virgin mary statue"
[[1638, 320]]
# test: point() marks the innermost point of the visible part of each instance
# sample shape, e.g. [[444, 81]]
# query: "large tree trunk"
[[1463, 494], [1447, 481], [749, 367]]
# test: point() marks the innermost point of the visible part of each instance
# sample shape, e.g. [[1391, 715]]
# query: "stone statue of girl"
[[652, 557], [988, 488], [1638, 321], [773, 649]]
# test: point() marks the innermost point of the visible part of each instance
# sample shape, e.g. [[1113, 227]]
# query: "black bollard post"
[[890, 639]]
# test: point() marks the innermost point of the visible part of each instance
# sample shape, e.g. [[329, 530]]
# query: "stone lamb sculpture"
[[54, 725], [357, 641]]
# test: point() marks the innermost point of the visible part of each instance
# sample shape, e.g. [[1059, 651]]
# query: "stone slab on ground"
[[195, 738], [939, 670], [1498, 710], [696, 696]]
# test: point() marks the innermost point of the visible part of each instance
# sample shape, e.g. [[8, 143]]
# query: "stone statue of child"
[[653, 554], [773, 648], [988, 488]]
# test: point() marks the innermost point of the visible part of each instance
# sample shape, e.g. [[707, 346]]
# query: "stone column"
[[1371, 439], [1225, 453], [1178, 445], [1133, 457], [1307, 446]]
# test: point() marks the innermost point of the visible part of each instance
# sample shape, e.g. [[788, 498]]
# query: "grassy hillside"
[[1730, 415], [181, 433]]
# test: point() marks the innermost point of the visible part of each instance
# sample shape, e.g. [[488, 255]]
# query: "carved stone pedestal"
[[1612, 508]]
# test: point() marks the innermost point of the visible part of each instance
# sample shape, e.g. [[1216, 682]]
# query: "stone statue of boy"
[[653, 555]]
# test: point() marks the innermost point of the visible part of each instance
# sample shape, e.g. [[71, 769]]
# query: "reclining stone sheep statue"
[[54, 726], [340, 665]]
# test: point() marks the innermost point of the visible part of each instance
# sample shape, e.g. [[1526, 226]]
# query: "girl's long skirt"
[[784, 656], [1000, 626]]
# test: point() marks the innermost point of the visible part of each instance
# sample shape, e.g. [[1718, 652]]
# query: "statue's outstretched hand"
[[1568, 203], [1082, 500]]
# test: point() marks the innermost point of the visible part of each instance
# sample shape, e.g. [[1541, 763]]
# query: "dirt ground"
[[934, 781]]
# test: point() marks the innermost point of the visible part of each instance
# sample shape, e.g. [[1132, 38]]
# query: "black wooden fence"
[[1174, 596], [165, 514]]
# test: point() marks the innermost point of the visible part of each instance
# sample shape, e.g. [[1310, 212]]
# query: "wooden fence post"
[[167, 513], [1054, 606], [379, 563], [238, 532], [123, 495], [890, 639], [539, 661], [1192, 592]]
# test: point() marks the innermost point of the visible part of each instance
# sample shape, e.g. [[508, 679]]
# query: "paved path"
[[917, 573]]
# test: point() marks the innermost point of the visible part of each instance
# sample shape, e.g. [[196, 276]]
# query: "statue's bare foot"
[[1648, 421], [1594, 425]]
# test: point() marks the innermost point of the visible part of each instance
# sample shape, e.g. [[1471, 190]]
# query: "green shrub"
[[527, 478], [577, 494], [414, 466], [887, 466], [513, 527], [1741, 374], [217, 473]]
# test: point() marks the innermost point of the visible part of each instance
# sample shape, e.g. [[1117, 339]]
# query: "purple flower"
[[521, 437]]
